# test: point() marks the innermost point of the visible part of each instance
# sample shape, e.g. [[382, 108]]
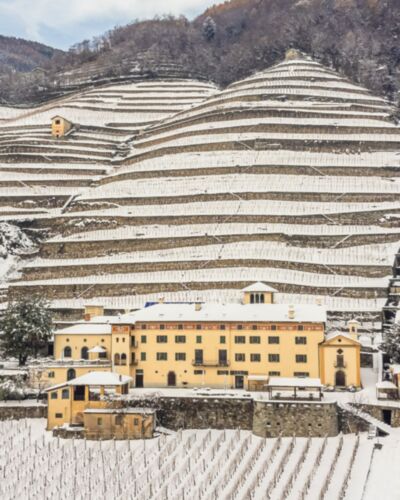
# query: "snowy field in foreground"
[[194, 464]]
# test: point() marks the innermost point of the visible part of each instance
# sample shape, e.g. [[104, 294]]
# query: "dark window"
[[255, 357], [162, 339], [180, 327], [180, 356], [99, 421], [84, 353], [222, 372], [59, 415], [79, 393], [162, 356], [162, 327], [222, 339], [180, 339], [273, 358], [143, 339], [301, 358], [301, 340], [117, 359], [199, 339], [133, 341], [273, 340], [67, 352], [222, 327], [135, 421], [240, 357], [254, 327], [240, 327], [300, 328], [240, 339], [274, 374], [223, 357], [144, 327], [71, 374], [123, 359], [118, 419], [142, 356], [301, 374], [54, 395], [198, 356], [255, 340], [273, 327], [198, 372], [51, 374], [198, 327], [65, 394]]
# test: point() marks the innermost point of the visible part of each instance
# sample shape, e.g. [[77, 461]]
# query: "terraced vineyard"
[[290, 176], [202, 464]]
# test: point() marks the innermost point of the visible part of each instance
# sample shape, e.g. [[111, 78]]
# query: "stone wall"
[[272, 419], [377, 412], [19, 411]]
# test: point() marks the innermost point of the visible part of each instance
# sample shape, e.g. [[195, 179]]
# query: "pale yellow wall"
[[156, 372], [60, 129], [60, 373], [351, 353], [121, 344], [77, 341], [134, 426]]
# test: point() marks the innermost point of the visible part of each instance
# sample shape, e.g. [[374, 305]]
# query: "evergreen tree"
[[392, 343], [209, 28], [25, 328]]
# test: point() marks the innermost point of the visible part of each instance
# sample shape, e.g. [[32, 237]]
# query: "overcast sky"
[[61, 23]]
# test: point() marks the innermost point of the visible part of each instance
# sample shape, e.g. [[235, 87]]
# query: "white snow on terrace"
[[224, 295], [217, 229], [257, 207], [87, 117], [194, 464], [221, 275], [219, 125], [28, 176], [282, 74], [308, 106], [33, 191], [246, 159], [367, 255], [242, 183], [7, 113], [300, 79], [64, 168], [287, 89], [264, 136], [87, 328]]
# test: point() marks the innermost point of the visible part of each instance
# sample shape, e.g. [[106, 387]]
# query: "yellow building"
[[340, 360], [68, 401], [236, 345], [60, 126]]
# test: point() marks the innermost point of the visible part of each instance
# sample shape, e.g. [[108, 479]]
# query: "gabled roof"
[[259, 287], [334, 335], [95, 378]]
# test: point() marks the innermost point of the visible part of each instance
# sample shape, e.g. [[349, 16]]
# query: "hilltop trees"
[[392, 343], [25, 328]]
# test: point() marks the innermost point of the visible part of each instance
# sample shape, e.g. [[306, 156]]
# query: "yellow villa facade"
[[237, 345]]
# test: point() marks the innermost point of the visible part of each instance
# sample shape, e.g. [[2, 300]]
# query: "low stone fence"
[[18, 410]]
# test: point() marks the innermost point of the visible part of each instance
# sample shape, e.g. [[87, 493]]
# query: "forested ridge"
[[227, 42]]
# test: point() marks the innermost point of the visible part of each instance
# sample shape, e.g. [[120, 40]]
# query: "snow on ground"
[[194, 464]]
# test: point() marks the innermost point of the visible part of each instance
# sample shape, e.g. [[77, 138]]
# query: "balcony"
[[135, 362], [134, 343], [216, 363]]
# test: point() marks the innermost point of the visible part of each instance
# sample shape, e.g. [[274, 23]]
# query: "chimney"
[[291, 312], [197, 306], [161, 300]]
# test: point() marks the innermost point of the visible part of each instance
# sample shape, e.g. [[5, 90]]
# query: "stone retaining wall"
[[19, 411], [377, 412]]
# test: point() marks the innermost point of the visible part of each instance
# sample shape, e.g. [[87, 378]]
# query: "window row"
[[239, 339], [240, 357], [300, 328], [67, 353]]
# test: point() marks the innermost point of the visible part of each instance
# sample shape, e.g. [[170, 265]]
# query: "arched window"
[[123, 359], [71, 374], [103, 355], [85, 353], [116, 359], [252, 298], [262, 300], [67, 352]]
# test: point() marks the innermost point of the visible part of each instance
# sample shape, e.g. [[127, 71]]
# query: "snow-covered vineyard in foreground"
[[206, 464], [291, 176]]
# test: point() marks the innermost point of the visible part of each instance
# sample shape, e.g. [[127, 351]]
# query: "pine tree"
[[392, 343], [209, 28], [25, 328]]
